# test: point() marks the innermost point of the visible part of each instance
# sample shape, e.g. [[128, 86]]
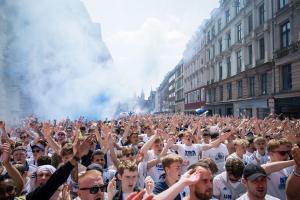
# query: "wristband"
[[76, 158], [296, 174]]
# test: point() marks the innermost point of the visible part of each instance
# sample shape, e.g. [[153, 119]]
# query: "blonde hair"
[[242, 142], [275, 143], [259, 139]]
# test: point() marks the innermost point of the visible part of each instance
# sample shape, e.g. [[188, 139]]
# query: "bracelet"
[[76, 158], [296, 174]]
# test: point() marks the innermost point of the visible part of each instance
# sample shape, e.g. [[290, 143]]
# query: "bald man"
[[91, 186]]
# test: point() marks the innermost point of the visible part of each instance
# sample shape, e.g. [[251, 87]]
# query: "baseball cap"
[[38, 145], [252, 171]]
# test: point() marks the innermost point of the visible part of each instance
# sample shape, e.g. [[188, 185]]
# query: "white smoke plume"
[[57, 55]]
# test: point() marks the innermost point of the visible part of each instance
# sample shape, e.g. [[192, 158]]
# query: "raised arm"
[[216, 143], [47, 131], [293, 182], [175, 189], [277, 166], [11, 170]]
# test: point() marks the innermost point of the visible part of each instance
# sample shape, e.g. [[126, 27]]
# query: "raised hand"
[[2, 125], [83, 148], [149, 185], [139, 196], [112, 188], [192, 177], [6, 152]]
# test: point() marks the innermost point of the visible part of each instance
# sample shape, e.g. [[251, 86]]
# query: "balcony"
[[294, 47]]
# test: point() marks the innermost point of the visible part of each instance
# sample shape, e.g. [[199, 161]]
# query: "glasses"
[[129, 154], [36, 151], [95, 189], [283, 153], [61, 134]]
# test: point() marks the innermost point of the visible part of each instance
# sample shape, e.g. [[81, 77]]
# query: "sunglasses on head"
[[95, 189], [283, 153]]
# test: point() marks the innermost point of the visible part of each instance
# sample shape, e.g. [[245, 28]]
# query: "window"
[[213, 33], [282, 3], [213, 51], [250, 55], [220, 71], [261, 11], [237, 6], [262, 48], [240, 88], [285, 35], [219, 25], [209, 57], [228, 62], [251, 87], [229, 91], [250, 23], [287, 77], [214, 92], [239, 32], [228, 39], [220, 45], [221, 92], [208, 36], [239, 61], [227, 15], [264, 84]]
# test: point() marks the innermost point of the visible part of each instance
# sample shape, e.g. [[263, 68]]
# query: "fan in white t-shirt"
[[191, 152], [240, 146], [218, 154], [279, 167]]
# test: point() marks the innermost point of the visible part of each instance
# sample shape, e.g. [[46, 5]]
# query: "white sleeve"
[[216, 187]]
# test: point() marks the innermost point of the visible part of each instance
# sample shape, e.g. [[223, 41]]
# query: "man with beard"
[[200, 181], [255, 180]]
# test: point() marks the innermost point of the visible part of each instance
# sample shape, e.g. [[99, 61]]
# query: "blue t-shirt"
[[162, 186]]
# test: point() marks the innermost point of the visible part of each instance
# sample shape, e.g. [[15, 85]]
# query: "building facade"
[[179, 95], [245, 60], [286, 69]]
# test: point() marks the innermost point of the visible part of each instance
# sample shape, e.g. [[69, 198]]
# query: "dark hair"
[[199, 164], [43, 160], [96, 153], [235, 167]]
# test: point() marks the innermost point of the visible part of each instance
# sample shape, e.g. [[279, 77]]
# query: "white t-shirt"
[[263, 159], [267, 197], [156, 171], [222, 191], [277, 182], [189, 153], [217, 154]]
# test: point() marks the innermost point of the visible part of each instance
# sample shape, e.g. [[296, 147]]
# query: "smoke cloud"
[[56, 55]]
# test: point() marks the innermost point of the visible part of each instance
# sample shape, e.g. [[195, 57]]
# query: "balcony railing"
[[294, 47]]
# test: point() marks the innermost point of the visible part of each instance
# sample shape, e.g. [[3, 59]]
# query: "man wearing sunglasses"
[[279, 167], [91, 186]]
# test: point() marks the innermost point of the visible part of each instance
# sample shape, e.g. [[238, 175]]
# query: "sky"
[[146, 38]]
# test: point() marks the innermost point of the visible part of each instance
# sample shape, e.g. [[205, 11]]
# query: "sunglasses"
[[129, 154], [36, 151], [95, 189], [283, 153]]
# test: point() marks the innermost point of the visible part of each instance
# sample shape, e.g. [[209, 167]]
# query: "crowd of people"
[[158, 157]]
